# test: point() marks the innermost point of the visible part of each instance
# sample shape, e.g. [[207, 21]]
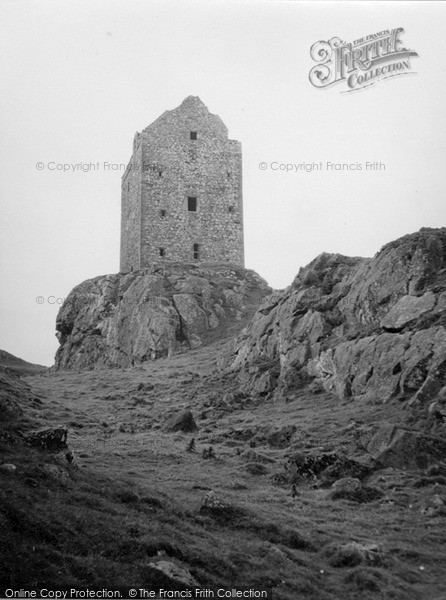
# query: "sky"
[[81, 77]]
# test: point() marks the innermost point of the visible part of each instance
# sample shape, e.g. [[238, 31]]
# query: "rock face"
[[126, 319], [400, 448], [369, 328]]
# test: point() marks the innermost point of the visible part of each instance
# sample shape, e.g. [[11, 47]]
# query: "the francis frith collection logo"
[[361, 63]]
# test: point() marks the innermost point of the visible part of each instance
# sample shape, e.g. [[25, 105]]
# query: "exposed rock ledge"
[[125, 319], [371, 328]]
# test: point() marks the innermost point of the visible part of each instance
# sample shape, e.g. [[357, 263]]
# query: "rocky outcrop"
[[126, 319], [369, 328], [393, 446]]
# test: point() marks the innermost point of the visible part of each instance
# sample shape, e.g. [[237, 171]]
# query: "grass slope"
[[18, 365], [134, 497]]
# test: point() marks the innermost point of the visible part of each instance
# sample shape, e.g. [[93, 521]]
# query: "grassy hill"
[[19, 366], [134, 496]]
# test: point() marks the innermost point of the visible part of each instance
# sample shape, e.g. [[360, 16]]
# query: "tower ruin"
[[182, 191]]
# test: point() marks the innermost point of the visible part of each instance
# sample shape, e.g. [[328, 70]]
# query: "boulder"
[[346, 485], [327, 467], [351, 554], [212, 504], [183, 421], [171, 575], [8, 468], [54, 439], [350, 488]]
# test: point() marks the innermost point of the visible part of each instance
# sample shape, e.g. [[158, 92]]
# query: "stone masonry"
[[182, 192]]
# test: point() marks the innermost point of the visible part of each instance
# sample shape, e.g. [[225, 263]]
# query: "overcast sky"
[[80, 77]]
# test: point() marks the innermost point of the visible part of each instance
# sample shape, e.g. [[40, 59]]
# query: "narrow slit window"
[[162, 252], [191, 204], [160, 173], [196, 251], [193, 135], [231, 209], [163, 212]]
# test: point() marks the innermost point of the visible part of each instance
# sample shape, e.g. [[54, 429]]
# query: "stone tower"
[[182, 191]]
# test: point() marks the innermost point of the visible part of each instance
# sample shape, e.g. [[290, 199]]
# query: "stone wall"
[[167, 168], [131, 214]]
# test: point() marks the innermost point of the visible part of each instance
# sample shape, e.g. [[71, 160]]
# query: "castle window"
[[160, 173], [163, 212], [193, 135], [191, 204], [162, 252], [229, 175], [231, 209], [196, 251]]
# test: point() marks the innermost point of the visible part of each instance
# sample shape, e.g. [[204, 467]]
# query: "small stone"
[[347, 485], [436, 500], [70, 456], [432, 506], [212, 502], [8, 467], [175, 573]]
